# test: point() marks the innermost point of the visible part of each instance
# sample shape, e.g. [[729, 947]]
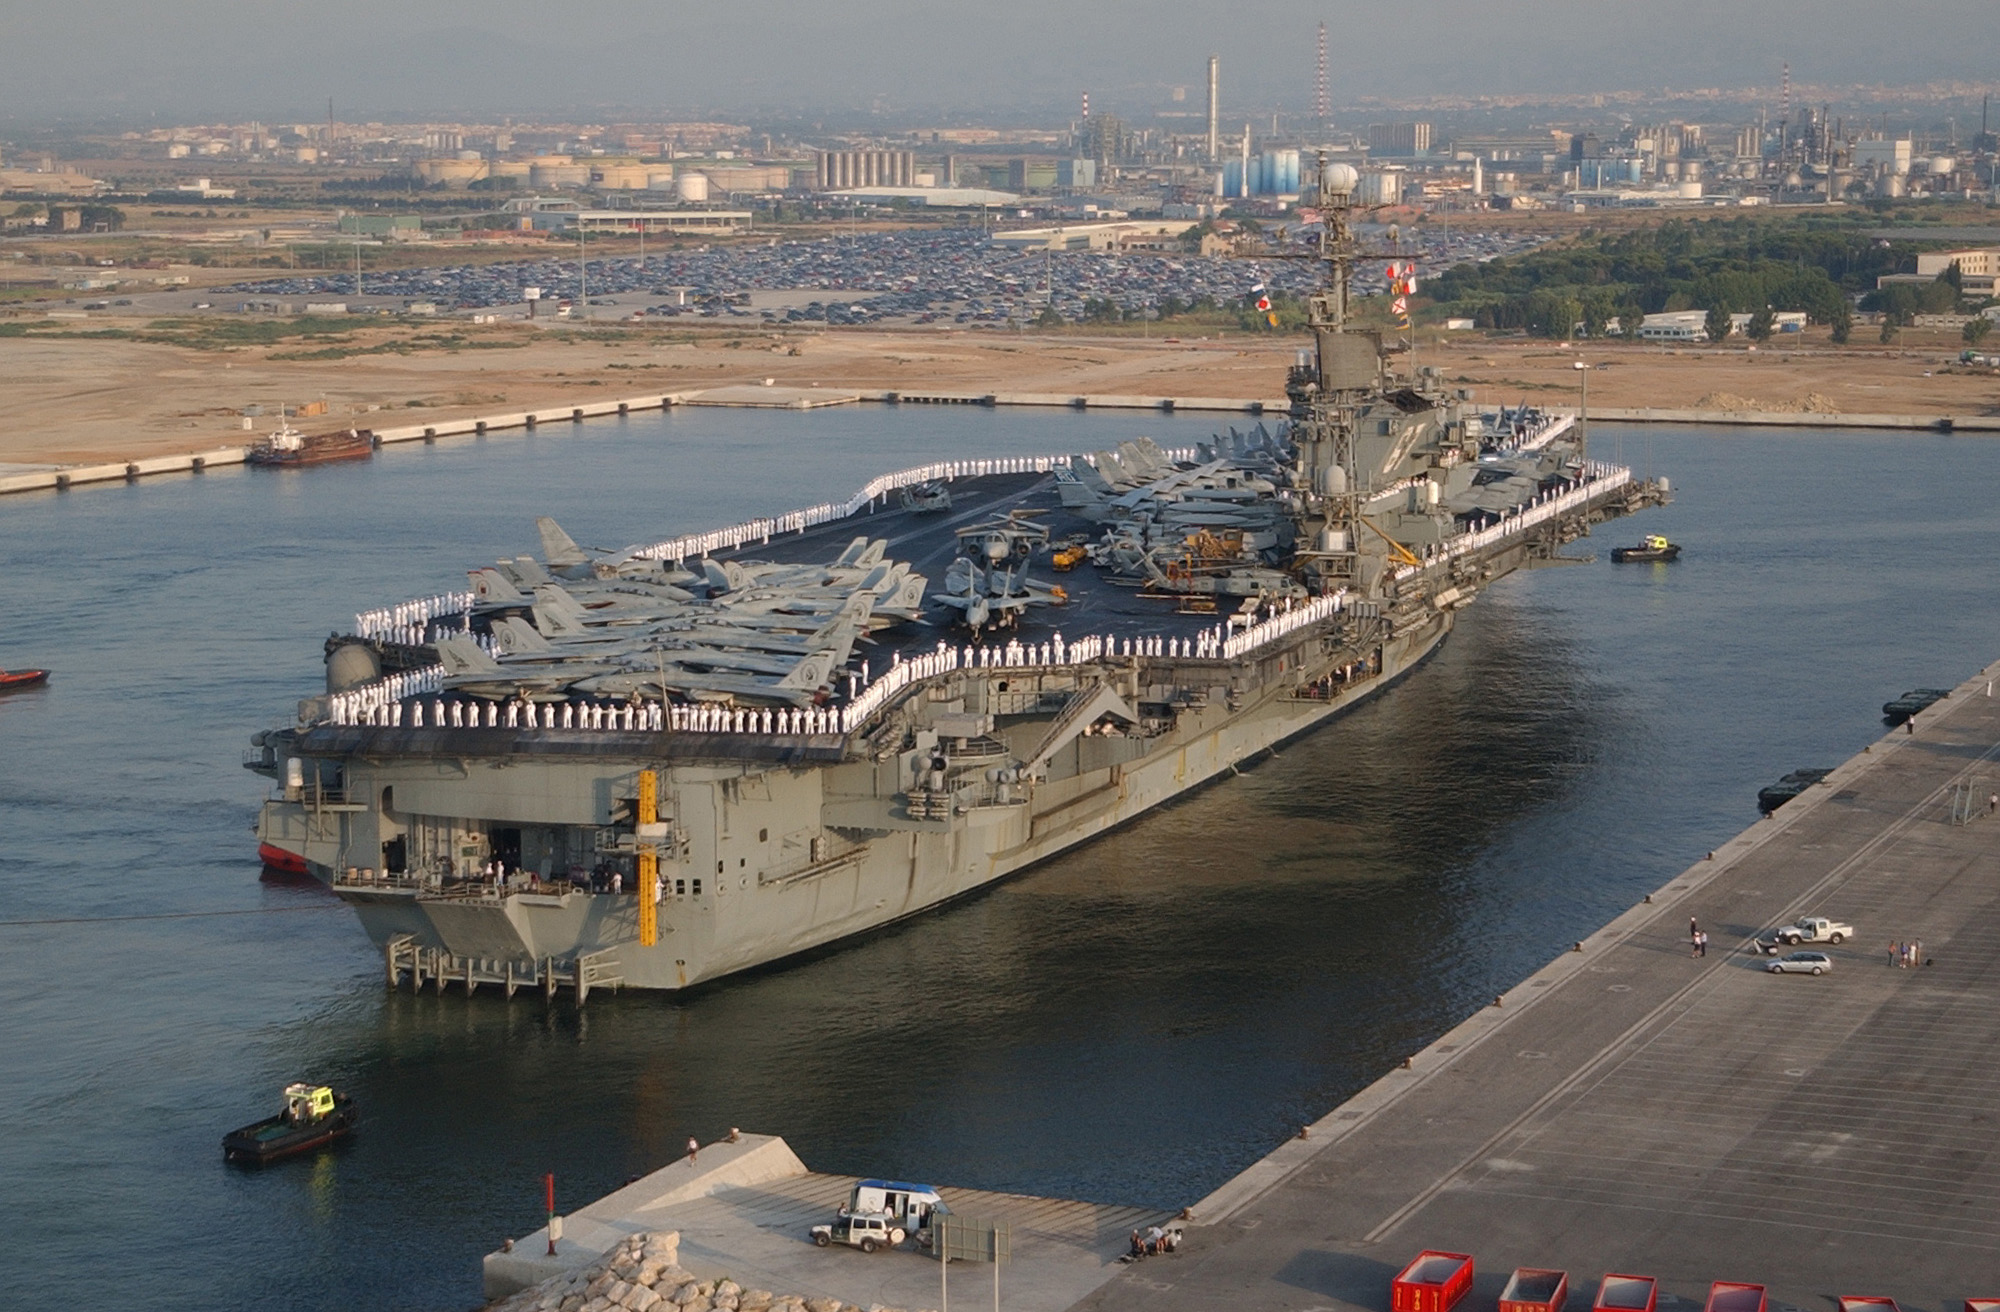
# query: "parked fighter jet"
[[992, 598]]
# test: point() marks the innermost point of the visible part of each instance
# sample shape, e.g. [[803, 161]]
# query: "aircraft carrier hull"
[[747, 917]]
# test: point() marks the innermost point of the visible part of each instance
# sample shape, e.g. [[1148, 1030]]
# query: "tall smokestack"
[[1214, 107]]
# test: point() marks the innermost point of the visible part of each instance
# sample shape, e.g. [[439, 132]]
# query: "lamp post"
[[1583, 399]]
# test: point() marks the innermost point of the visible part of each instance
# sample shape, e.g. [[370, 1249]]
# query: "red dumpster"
[[1982, 1305], [1730, 1296], [1852, 1303], [1617, 1293], [1531, 1289], [1431, 1283]]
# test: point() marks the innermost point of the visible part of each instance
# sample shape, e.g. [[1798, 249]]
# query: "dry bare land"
[[82, 398]]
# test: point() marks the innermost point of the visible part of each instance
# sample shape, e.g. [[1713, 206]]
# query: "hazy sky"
[[281, 59]]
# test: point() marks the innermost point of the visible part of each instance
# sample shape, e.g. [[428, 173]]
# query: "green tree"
[[1762, 324], [1843, 323], [1976, 329], [1049, 318], [1717, 324]]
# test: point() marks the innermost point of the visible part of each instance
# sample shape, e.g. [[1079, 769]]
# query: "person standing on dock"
[[1700, 944], [694, 1146]]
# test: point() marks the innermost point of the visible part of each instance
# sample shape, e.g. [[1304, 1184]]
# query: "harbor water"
[[1132, 1022]]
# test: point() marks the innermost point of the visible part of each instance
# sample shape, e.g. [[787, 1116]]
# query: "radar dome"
[[351, 664], [1341, 178]]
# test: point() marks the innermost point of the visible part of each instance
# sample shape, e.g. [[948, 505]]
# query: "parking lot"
[[955, 276]]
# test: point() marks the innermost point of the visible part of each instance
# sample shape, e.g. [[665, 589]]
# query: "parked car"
[[1801, 963], [866, 1231], [1814, 929]]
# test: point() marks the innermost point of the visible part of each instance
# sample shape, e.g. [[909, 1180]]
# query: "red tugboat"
[[287, 447], [22, 680], [313, 1115]]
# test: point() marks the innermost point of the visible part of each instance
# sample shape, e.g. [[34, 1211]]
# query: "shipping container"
[[1434, 1282], [1617, 1293], [1732, 1296], [1531, 1289]]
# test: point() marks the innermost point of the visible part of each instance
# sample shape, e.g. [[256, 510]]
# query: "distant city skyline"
[[131, 60]]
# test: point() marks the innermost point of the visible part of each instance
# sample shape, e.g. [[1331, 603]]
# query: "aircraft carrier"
[[654, 767]]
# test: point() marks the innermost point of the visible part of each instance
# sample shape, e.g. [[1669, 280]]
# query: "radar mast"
[[1328, 394]]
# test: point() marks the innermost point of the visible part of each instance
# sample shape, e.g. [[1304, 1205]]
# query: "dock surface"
[[746, 1209], [1634, 1108]]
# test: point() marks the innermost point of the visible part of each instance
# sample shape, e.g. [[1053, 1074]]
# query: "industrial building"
[[650, 221], [1399, 140], [839, 170], [1978, 267]]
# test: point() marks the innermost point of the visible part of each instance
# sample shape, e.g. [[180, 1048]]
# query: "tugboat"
[[1654, 547], [21, 680], [287, 446], [314, 1114]]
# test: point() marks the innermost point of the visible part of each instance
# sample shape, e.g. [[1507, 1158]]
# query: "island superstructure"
[[655, 767]]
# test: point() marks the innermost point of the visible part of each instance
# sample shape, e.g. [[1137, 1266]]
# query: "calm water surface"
[[1133, 1022]]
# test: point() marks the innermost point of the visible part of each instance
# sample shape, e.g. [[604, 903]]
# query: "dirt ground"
[[77, 399]]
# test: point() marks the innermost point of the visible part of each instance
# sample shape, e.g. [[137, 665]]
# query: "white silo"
[[692, 187]]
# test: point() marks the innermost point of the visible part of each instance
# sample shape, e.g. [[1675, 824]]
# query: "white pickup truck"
[[1808, 929]]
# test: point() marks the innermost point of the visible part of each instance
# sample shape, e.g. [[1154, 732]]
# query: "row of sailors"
[[1209, 644], [1545, 506], [761, 530], [408, 614], [355, 706], [628, 717], [1287, 621]]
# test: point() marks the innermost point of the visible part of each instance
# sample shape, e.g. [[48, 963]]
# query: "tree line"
[[1716, 265]]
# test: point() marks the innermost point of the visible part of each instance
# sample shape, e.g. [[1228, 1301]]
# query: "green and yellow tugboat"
[[314, 1115]]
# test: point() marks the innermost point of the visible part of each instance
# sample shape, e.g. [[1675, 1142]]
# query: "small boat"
[[1654, 547], [21, 680], [314, 1115], [287, 446], [281, 860]]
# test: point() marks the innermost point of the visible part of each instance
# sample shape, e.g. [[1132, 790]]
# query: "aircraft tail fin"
[[490, 584], [559, 549], [812, 672], [464, 656], [519, 638]]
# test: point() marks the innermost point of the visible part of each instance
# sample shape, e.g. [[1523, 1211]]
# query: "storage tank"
[[620, 176], [1688, 190], [1942, 165], [692, 187], [559, 175]]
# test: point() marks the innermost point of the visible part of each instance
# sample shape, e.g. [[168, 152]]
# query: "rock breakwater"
[[644, 1274]]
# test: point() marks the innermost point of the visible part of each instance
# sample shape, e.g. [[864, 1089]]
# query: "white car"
[[1801, 963], [866, 1231]]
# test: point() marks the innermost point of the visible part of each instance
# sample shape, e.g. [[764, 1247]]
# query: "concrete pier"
[[1633, 1108], [745, 1209]]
